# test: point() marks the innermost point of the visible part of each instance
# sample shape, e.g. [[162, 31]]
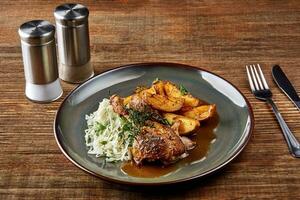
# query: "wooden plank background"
[[221, 36]]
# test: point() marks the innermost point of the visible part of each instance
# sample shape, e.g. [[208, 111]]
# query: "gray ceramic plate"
[[232, 133]]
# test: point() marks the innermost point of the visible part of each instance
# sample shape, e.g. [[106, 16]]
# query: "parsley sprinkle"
[[183, 90], [155, 80]]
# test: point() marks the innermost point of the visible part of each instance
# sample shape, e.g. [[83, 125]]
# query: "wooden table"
[[219, 36]]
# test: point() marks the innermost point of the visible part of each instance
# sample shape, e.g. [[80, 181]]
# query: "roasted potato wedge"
[[163, 103], [187, 125], [171, 90], [149, 91], [201, 112], [190, 101], [185, 109], [159, 87]]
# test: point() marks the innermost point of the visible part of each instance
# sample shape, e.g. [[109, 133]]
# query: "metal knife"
[[285, 85]]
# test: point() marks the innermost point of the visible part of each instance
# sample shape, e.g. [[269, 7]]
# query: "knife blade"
[[285, 85]]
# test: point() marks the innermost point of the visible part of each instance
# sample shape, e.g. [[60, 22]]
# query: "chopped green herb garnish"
[[155, 80], [139, 118], [130, 129], [100, 127], [165, 122], [183, 90], [104, 142]]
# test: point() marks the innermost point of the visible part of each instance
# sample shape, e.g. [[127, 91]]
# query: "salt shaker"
[[40, 61], [73, 42]]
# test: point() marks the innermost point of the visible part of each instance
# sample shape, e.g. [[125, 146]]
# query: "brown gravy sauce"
[[203, 137]]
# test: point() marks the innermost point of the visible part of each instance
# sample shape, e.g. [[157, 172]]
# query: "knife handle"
[[293, 144]]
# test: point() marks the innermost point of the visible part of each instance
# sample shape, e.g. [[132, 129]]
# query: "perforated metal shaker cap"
[[71, 14], [37, 32]]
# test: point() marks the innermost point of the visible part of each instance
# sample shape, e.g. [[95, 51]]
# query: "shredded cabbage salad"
[[106, 135]]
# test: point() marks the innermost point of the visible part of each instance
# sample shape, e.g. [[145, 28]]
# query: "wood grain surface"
[[221, 36]]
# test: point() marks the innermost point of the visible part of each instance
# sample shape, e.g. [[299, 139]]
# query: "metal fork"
[[261, 91]]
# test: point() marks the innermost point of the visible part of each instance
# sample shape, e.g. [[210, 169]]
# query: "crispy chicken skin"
[[157, 142], [138, 103], [117, 104]]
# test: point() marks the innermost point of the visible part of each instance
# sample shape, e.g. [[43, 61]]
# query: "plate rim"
[[165, 64]]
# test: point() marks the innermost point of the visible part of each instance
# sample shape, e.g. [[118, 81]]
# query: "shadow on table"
[[174, 190]]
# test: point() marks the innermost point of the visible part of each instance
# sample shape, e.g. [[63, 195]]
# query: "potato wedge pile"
[[176, 105]]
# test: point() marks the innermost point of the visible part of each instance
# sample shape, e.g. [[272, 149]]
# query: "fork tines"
[[257, 80]]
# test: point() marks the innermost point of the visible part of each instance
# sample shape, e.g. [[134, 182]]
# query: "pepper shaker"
[[73, 43], [40, 61]]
